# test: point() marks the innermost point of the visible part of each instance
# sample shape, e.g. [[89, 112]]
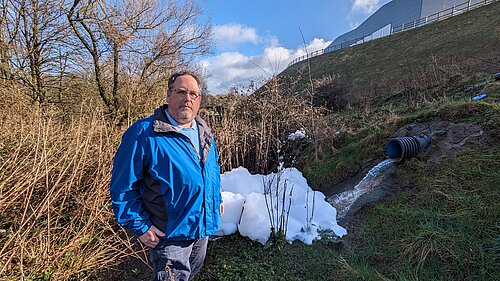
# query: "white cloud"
[[361, 9], [317, 44], [230, 69], [353, 23], [230, 35], [365, 6]]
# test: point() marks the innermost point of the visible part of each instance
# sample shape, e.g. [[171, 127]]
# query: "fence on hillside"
[[441, 15]]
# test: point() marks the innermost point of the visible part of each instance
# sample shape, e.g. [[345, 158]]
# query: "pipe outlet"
[[402, 148]]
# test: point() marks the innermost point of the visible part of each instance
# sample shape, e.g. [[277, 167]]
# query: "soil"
[[130, 269]]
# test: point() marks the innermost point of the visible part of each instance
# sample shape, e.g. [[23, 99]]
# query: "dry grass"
[[349, 272], [55, 216], [250, 130]]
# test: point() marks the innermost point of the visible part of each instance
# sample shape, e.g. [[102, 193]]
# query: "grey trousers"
[[178, 260]]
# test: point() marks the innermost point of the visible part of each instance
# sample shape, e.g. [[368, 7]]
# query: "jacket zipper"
[[203, 180]]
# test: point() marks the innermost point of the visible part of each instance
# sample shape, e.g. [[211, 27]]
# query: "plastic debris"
[[479, 97]]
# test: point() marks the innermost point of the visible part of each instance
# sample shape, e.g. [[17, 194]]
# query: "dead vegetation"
[[250, 130], [55, 215], [56, 220]]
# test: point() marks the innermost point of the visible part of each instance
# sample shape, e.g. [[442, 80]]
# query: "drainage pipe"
[[402, 148]]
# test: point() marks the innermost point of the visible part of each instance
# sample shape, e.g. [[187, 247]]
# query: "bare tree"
[[144, 37], [4, 55], [84, 20], [139, 42], [30, 30]]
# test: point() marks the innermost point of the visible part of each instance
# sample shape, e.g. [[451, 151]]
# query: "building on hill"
[[394, 14]]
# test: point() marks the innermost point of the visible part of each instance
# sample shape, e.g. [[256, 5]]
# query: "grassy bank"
[[445, 229]]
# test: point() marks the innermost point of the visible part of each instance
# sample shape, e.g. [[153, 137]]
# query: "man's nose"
[[186, 97]]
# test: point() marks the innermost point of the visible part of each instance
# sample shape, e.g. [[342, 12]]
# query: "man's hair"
[[174, 76]]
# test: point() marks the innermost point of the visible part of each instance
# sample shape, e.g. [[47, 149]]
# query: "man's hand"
[[221, 209], [151, 237]]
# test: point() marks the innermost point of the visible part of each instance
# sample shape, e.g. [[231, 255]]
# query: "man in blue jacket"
[[165, 184]]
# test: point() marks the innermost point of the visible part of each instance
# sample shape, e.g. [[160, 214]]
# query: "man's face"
[[181, 106]]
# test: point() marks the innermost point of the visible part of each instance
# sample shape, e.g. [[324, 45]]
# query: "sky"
[[254, 40]]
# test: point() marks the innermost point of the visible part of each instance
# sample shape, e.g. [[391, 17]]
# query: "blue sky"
[[256, 39]]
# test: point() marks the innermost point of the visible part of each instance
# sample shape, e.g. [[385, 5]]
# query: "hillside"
[[404, 74], [470, 41]]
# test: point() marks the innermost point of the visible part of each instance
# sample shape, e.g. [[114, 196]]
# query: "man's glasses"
[[183, 93]]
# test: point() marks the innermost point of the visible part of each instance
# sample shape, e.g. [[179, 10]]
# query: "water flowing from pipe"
[[343, 201]]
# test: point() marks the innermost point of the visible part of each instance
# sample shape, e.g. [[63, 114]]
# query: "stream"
[[343, 201]]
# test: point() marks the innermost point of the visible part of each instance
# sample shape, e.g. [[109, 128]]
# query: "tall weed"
[[55, 216]]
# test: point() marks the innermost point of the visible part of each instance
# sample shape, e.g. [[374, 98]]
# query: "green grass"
[[422, 75], [358, 149], [238, 258], [447, 230], [448, 227], [354, 153]]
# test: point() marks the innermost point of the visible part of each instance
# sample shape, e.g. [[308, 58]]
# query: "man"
[[165, 184]]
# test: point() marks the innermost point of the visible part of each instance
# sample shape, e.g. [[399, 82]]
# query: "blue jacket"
[[159, 179]]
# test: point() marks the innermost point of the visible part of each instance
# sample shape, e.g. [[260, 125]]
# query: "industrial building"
[[393, 17]]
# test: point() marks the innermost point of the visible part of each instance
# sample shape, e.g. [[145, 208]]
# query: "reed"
[[56, 220]]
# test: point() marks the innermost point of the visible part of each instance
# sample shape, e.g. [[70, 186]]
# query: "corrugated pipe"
[[403, 148]]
